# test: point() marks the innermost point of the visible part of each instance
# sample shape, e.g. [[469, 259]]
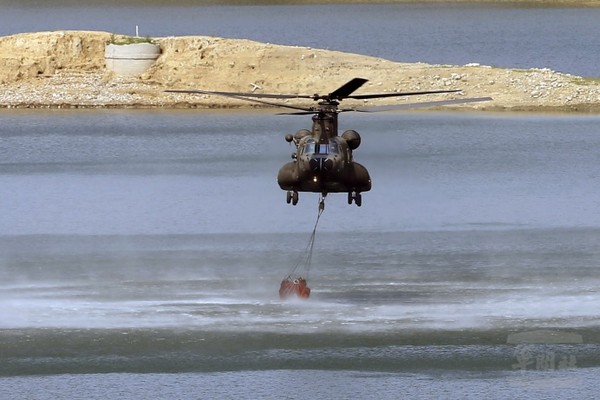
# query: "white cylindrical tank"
[[130, 59]]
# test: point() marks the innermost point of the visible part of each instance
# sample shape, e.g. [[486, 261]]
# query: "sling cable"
[[294, 284]]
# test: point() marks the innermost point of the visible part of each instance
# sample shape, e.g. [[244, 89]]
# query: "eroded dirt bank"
[[67, 69]]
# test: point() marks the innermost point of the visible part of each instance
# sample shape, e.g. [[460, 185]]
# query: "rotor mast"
[[325, 121]]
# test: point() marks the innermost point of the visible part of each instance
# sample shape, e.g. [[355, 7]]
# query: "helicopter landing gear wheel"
[[292, 197], [355, 197]]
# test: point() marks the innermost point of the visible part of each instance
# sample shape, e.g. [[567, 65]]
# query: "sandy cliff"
[[67, 69]]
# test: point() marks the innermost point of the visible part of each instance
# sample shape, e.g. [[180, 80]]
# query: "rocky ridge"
[[66, 69]]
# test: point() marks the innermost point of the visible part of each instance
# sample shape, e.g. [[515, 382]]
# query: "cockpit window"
[[309, 147], [312, 147], [333, 147]]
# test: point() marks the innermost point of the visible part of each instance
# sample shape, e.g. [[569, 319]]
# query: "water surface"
[[144, 249]]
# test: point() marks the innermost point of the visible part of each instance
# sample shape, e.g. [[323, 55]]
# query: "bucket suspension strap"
[[311, 242]]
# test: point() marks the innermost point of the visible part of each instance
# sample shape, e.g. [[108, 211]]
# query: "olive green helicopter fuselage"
[[323, 160]]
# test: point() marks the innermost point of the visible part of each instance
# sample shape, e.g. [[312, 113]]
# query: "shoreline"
[[67, 69], [176, 3]]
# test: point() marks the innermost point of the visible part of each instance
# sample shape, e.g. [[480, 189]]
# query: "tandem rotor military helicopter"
[[323, 161]]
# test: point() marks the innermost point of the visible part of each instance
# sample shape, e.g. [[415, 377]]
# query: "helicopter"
[[323, 160]]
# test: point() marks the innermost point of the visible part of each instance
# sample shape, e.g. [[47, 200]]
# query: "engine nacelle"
[[352, 138], [301, 134]]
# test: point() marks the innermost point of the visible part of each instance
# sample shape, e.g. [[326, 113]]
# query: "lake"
[[142, 252]]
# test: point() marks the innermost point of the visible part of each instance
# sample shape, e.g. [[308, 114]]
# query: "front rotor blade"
[[298, 113], [401, 94], [346, 89], [244, 94], [236, 96], [410, 106]]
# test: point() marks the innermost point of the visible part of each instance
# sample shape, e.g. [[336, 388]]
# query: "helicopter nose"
[[318, 164]]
